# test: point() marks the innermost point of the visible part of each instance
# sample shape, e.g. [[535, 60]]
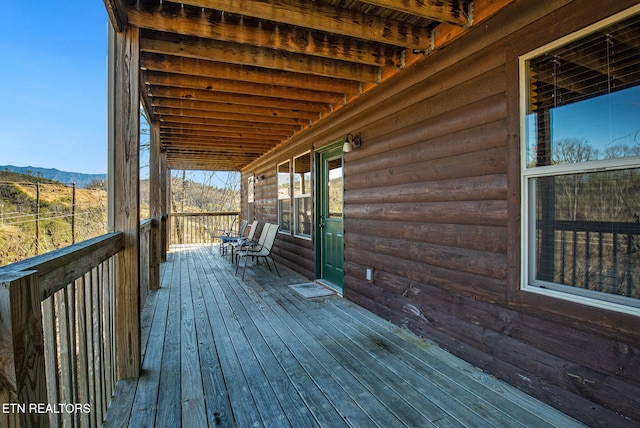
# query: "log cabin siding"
[[432, 204], [292, 251]]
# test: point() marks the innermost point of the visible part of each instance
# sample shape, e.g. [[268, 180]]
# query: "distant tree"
[[97, 184], [573, 150]]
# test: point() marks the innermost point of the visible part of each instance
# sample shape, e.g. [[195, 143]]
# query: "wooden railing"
[[592, 255], [150, 255], [200, 228], [57, 336]]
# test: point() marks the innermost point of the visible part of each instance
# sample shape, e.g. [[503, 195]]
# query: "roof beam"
[[234, 108], [328, 19], [249, 88], [451, 11], [228, 144], [117, 11], [169, 112], [234, 53], [233, 98], [195, 67], [221, 133], [238, 148], [205, 163], [212, 124], [211, 25]]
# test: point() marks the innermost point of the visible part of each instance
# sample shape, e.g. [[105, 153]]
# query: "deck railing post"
[[23, 382], [123, 195]]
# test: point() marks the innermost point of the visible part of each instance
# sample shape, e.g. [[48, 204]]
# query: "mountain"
[[81, 180]]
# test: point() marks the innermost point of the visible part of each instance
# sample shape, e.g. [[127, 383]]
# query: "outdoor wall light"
[[351, 142]]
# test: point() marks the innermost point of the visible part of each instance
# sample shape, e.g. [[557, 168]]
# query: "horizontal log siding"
[[293, 252], [438, 164], [432, 204]]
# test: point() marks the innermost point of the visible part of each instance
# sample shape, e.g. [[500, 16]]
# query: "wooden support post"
[[166, 201], [124, 184], [155, 207], [23, 381]]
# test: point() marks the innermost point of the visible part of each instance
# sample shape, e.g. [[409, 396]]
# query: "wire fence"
[[39, 217]]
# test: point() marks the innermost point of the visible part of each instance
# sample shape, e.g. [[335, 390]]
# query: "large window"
[[581, 166], [302, 195], [284, 196]]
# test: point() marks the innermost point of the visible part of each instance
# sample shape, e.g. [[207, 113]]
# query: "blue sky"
[[53, 84]]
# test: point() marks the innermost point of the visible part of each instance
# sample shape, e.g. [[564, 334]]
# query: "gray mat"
[[311, 289]]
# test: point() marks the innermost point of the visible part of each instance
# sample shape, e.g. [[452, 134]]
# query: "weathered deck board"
[[222, 352]]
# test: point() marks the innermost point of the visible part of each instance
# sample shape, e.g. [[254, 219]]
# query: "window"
[[302, 195], [284, 196], [581, 166]]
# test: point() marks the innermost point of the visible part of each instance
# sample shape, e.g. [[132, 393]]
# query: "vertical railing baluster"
[[22, 366], [83, 375], [49, 324]]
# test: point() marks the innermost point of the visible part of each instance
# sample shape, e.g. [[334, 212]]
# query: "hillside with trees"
[[38, 215]]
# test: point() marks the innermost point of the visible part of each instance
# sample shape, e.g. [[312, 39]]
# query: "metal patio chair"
[[260, 250], [236, 245], [227, 239]]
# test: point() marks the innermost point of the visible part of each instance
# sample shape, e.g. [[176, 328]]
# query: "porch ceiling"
[[230, 80]]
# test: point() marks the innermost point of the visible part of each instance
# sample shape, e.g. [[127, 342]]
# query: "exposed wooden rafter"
[[332, 20], [227, 81], [452, 11]]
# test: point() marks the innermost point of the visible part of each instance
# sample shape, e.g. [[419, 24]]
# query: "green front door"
[[330, 217]]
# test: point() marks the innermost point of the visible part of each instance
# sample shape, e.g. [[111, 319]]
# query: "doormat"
[[311, 289]]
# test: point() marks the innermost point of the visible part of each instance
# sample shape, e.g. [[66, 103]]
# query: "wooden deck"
[[222, 352]]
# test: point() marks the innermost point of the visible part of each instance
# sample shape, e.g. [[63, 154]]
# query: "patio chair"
[[243, 240], [227, 239], [242, 246], [222, 233], [260, 250]]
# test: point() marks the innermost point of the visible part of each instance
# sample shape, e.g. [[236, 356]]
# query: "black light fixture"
[[351, 142]]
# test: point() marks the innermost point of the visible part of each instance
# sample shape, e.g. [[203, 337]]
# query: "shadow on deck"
[[221, 352]]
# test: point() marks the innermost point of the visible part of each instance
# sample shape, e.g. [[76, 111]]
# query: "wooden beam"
[[214, 156], [235, 53], [205, 164], [220, 70], [145, 98], [445, 33], [244, 135], [174, 114], [234, 108], [452, 11], [217, 143], [155, 207], [117, 11], [233, 98], [218, 147], [224, 132], [233, 25], [123, 195], [207, 83], [210, 124], [165, 196]]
